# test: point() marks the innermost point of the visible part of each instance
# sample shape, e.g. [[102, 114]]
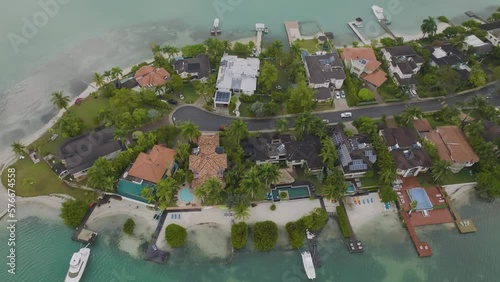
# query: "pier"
[[423, 248], [475, 16], [292, 31], [82, 234], [386, 28], [352, 25], [463, 225], [259, 28]]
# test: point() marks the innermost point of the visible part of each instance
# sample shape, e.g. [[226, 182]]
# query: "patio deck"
[[293, 31]]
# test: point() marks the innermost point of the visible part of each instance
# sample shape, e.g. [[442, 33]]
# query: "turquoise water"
[[294, 192], [44, 250], [132, 190], [186, 196], [423, 201], [350, 188]]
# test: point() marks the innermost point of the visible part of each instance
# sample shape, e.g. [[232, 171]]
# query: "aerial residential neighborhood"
[[260, 139]]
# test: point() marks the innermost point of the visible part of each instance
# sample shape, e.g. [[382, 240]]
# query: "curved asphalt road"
[[208, 121]]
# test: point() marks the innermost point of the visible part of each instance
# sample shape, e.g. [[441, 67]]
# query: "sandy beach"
[[415, 36], [45, 207]]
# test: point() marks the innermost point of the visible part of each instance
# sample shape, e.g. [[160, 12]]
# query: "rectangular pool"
[[419, 195], [132, 190], [294, 192]]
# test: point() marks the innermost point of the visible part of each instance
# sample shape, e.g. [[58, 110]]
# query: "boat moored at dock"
[[379, 13], [77, 265], [216, 27], [308, 265]]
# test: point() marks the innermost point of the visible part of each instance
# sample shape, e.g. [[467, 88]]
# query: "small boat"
[[77, 265], [308, 265], [266, 30], [216, 23], [358, 22], [379, 13]]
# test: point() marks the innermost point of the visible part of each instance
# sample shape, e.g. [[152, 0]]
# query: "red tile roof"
[[151, 76], [349, 54], [377, 78], [452, 145], [422, 125], [207, 163], [151, 167]]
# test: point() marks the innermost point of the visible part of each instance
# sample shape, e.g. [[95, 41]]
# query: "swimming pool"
[[350, 188], [186, 196], [294, 192], [419, 195], [132, 190]]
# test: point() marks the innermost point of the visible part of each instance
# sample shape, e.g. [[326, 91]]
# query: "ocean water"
[[51, 45], [44, 249]]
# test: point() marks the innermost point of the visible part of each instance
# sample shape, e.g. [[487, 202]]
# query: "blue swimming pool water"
[[132, 190], [350, 188], [387, 206], [419, 195], [186, 196], [294, 192]]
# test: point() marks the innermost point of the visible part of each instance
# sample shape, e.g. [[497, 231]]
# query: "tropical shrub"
[[239, 235], [128, 227], [296, 233], [273, 207], [72, 212], [344, 225], [265, 235], [175, 235], [365, 95], [248, 98], [315, 220]]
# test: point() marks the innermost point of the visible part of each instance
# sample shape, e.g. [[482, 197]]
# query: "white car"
[[326, 121], [342, 95], [337, 95], [346, 115], [181, 96]]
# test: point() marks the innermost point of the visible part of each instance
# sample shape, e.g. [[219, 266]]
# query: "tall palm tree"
[[413, 205], [440, 170], [387, 176], [241, 212], [251, 182], [213, 188], [238, 129], [116, 72], [104, 116], [170, 50], [303, 124], [59, 100], [156, 49], [474, 129], [281, 125], [189, 131], [477, 102], [201, 193], [429, 26], [270, 173], [147, 193], [108, 184], [183, 151], [328, 152], [165, 190], [410, 113], [98, 79], [18, 148], [106, 75]]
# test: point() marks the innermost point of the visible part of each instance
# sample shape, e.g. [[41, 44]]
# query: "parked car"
[[181, 96], [342, 94], [337, 95], [78, 101], [222, 127], [346, 115], [326, 121], [173, 102]]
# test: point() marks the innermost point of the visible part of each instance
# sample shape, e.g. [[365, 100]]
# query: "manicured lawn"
[[190, 95], [245, 107], [310, 45], [464, 176], [389, 91], [370, 181], [45, 181], [86, 110]]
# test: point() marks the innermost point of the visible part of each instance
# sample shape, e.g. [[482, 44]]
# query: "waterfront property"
[[153, 166], [293, 192], [493, 32], [404, 64], [79, 153], [452, 146], [207, 160], [448, 55], [285, 149], [197, 68], [323, 70], [363, 63], [150, 76], [292, 31], [477, 46], [238, 75], [355, 153], [409, 156], [130, 189]]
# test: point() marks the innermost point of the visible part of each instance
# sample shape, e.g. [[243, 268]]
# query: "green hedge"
[[248, 98], [393, 100], [296, 233], [175, 235], [367, 103], [265, 235], [239, 235], [128, 227], [343, 222]]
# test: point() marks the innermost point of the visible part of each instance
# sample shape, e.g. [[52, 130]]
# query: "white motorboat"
[[308, 265], [379, 13], [77, 265], [216, 23]]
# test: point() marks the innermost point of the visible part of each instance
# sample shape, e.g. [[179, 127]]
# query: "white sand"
[[361, 214], [460, 193], [45, 207], [415, 36], [285, 212]]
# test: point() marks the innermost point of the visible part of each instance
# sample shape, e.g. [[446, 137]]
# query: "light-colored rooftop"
[[238, 74], [473, 40]]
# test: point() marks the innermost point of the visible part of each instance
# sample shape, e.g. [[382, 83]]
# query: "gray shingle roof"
[[322, 68], [200, 65], [323, 93]]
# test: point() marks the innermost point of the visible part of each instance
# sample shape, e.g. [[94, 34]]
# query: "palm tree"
[[120, 134], [440, 170], [108, 184], [213, 188], [116, 72], [474, 129], [201, 193], [281, 125], [170, 50], [429, 26], [156, 49], [147, 193], [330, 192], [413, 205], [189, 131], [328, 152], [106, 75], [183, 151], [251, 182], [104, 116], [98, 80], [18, 148], [410, 113], [387, 176], [241, 212], [303, 124], [477, 102], [238, 129], [60, 101], [28, 182], [270, 173], [164, 191]]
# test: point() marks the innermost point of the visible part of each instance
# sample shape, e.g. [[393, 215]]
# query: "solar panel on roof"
[[222, 97]]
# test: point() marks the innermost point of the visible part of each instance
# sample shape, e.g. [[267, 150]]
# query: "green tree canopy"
[[365, 95], [265, 235], [242, 50], [18, 148], [387, 194], [429, 26], [72, 212], [101, 175], [268, 76], [59, 100], [70, 125], [239, 235], [128, 226], [301, 99], [190, 51], [175, 235], [477, 76]]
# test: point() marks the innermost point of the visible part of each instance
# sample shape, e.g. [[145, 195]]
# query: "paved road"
[[211, 122]]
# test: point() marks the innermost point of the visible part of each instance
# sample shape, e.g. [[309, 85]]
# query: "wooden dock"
[[258, 43], [463, 225], [475, 16], [292, 31], [423, 248], [386, 28], [352, 25]]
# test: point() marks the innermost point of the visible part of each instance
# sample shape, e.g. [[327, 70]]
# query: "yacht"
[[77, 265], [379, 13], [216, 23], [308, 265]]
